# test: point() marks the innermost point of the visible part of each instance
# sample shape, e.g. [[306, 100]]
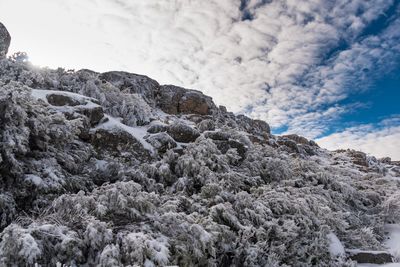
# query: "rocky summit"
[[5, 39], [114, 169]]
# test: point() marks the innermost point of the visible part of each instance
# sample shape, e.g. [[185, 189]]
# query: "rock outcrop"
[[182, 132], [62, 100], [162, 142], [5, 40], [371, 257], [118, 144], [132, 83], [174, 100]]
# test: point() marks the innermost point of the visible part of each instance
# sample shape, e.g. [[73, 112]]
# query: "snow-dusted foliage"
[[87, 179]]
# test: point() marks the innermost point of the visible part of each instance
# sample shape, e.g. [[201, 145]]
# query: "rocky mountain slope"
[[114, 169]]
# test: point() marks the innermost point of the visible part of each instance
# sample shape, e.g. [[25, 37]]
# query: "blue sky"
[[327, 70], [381, 95], [380, 101]]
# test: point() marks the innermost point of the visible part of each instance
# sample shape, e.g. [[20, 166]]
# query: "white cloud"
[[273, 67], [381, 140]]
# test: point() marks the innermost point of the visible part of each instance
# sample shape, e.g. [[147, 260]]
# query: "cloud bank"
[[290, 62], [380, 140]]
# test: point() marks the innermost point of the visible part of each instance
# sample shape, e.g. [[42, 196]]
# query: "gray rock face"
[[297, 139], [261, 126], [386, 160], [174, 100], [61, 100], [157, 128], [358, 158], [206, 125], [298, 144], [289, 143], [132, 83], [119, 144], [371, 257], [5, 40], [183, 133], [168, 98], [162, 142], [217, 135], [94, 114], [195, 102], [257, 127]]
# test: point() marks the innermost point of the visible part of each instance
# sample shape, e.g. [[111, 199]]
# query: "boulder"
[[84, 130], [385, 160], [168, 98], [132, 83], [298, 139], [5, 40], [61, 100], [162, 142], [217, 135], [261, 126], [223, 109], [182, 132], [206, 125], [358, 158], [118, 143], [290, 144], [373, 257], [157, 128], [299, 144], [174, 100], [94, 114], [195, 102], [258, 127]]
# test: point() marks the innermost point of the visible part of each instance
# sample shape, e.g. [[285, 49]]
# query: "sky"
[[326, 70]]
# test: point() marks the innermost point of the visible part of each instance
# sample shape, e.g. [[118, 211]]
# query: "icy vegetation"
[[113, 169]]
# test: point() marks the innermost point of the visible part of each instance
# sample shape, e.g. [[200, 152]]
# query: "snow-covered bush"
[[230, 195]]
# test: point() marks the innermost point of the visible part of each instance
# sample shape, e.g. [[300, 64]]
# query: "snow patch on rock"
[[137, 132]]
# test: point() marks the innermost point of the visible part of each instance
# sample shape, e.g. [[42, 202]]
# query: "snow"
[[42, 94], [36, 180], [393, 241], [335, 246], [355, 251], [101, 164], [137, 132], [394, 264]]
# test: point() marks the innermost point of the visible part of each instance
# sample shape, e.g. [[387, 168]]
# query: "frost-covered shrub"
[[14, 134], [110, 256], [7, 209], [232, 197], [18, 247], [143, 250], [392, 208]]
